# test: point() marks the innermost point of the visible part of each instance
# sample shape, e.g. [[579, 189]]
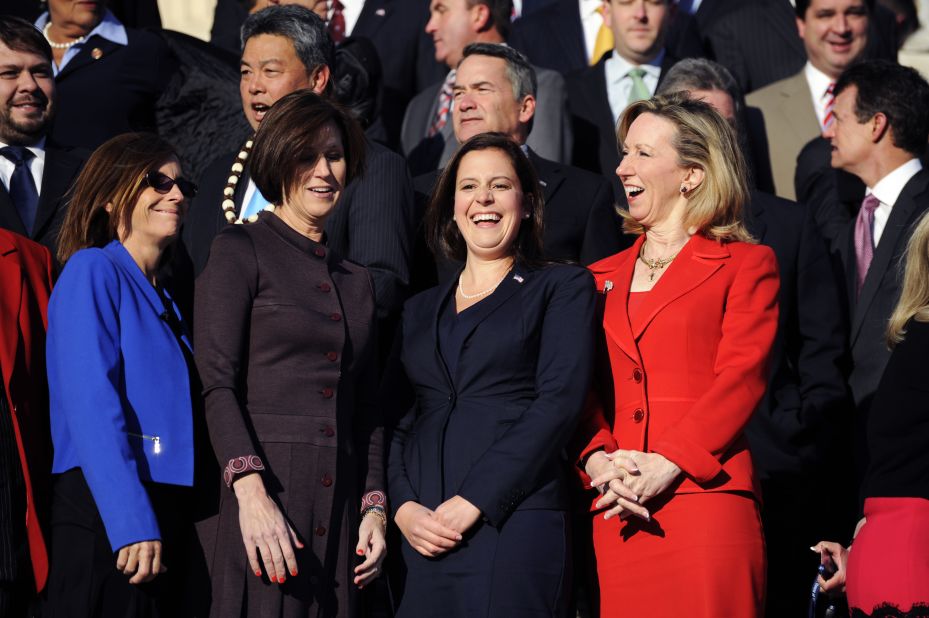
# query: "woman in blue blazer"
[[500, 362], [120, 389]]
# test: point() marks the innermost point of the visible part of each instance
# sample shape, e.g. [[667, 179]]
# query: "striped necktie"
[[829, 106], [445, 105]]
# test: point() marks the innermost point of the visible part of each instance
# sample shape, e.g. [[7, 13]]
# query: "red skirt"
[[701, 556], [889, 562]]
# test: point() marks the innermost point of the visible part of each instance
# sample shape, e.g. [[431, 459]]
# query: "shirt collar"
[[589, 6], [888, 188], [817, 80], [37, 149], [109, 28], [618, 67]]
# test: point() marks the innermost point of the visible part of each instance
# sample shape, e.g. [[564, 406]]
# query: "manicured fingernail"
[[281, 580], [360, 552], [258, 572], [293, 572], [814, 549]]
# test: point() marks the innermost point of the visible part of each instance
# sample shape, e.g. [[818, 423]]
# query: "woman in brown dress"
[[285, 347]]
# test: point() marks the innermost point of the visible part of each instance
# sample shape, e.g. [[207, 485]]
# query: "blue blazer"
[[119, 389]]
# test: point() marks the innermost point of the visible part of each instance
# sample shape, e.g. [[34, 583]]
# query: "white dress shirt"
[[619, 84], [351, 10], [819, 85], [887, 190], [591, 20], [36, 165]]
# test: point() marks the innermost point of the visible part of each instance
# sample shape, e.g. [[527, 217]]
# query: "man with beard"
[[33, 177]]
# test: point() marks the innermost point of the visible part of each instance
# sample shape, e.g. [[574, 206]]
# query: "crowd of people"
[[464, 308]]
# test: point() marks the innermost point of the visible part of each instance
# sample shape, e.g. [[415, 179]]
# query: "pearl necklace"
[[229, 191], [479, 294], [60, 45], [655, 264]]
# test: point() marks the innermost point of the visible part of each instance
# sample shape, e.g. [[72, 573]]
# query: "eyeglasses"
[[162, 183]]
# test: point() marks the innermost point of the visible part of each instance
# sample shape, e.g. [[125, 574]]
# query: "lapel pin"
[[607, 286], [380, 12], [543, 183], [518, 278], [96, 53]]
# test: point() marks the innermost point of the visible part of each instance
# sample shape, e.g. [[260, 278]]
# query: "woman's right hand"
[[835, 554], [141, 560], [611, 473], [264, 530], [423, 531]]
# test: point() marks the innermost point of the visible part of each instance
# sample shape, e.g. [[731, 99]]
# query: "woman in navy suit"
[[120, 385], [500, 362]]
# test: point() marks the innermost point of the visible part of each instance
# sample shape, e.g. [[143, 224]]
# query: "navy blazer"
[[494, 433], [119, 389]]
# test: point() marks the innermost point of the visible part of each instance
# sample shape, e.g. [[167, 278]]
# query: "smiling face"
[[452, 25], [834, 33], [484, 101], [270, 69], [488, 203], [639, 27], [319, 182], [650, 171], [27, 88], [156, 218]]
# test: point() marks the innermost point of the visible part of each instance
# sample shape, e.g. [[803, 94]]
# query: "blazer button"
[[326, 480], [324, 287], [637, 375], [638, 415], [320, 530], [329, 431], [332, 356], [335, 317], [319, 252], [327, 393]]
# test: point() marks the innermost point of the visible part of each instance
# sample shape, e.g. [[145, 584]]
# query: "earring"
[[683, 188], [526, 215]]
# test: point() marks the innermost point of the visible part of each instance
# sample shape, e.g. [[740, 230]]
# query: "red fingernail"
[[293, 572], [281, 580], [361, 552], [258, 572]]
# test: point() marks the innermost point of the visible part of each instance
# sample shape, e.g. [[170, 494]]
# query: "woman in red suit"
[[690, 313]]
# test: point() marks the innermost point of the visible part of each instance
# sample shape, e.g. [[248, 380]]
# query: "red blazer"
[[684, 375], [25, 285]]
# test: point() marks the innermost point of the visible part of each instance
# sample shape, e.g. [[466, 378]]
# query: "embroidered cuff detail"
[[373, 498], [238, 465]]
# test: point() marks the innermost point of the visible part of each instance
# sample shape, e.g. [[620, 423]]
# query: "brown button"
[[326, 480], [637, 375], [335, 317], [638, 415], [320, 530], [327, 393], [329, 431], [320, 252], [324, 287], [332, 356]]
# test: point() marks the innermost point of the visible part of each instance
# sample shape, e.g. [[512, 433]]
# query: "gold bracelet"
[[377, 511]]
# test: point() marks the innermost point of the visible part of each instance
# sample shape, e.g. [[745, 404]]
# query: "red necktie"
[[864, 237], [445, 105], [828, 106], [337, 23]]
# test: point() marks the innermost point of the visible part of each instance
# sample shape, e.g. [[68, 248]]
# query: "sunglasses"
[[162, 183]]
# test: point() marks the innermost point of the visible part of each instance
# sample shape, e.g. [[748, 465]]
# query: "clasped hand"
[[628, 479], [433, 533]]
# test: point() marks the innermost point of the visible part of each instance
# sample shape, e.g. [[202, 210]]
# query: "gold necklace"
[[656, 264]]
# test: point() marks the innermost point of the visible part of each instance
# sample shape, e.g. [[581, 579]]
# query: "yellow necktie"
[[604, 42]]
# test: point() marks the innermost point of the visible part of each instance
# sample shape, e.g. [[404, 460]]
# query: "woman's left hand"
[[457, 514], [372, 544], [656, 473]]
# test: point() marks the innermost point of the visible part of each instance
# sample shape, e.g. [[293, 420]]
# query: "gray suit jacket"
[[789, 124], [550, 136]]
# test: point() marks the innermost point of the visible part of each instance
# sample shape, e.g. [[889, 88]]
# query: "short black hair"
[[19, 35], [304, 28], [898, 92], [801, 7], [501, 12]]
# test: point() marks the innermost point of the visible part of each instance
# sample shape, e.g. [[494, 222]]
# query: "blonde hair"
[[914, 298], [705, 140]]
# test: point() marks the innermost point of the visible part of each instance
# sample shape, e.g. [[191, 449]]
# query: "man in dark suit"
[[34, 177], [427, 138], [25, 442], [880, 131], [373, 221], [495, 92], [792, 427], [631, 72]]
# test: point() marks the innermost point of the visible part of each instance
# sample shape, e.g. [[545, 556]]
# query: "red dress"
[[681, 377]]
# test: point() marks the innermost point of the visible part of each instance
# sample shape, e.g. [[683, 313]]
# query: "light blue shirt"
[[109, 28]]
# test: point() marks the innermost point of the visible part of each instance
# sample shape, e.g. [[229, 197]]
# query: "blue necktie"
[[22, 185], [255, 205]]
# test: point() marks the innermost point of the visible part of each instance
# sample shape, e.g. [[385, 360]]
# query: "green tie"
[[639, 90]]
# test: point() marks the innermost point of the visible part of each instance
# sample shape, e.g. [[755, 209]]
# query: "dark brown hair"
[[19, 35], [114, 174], [443, 235], [287, 138]]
